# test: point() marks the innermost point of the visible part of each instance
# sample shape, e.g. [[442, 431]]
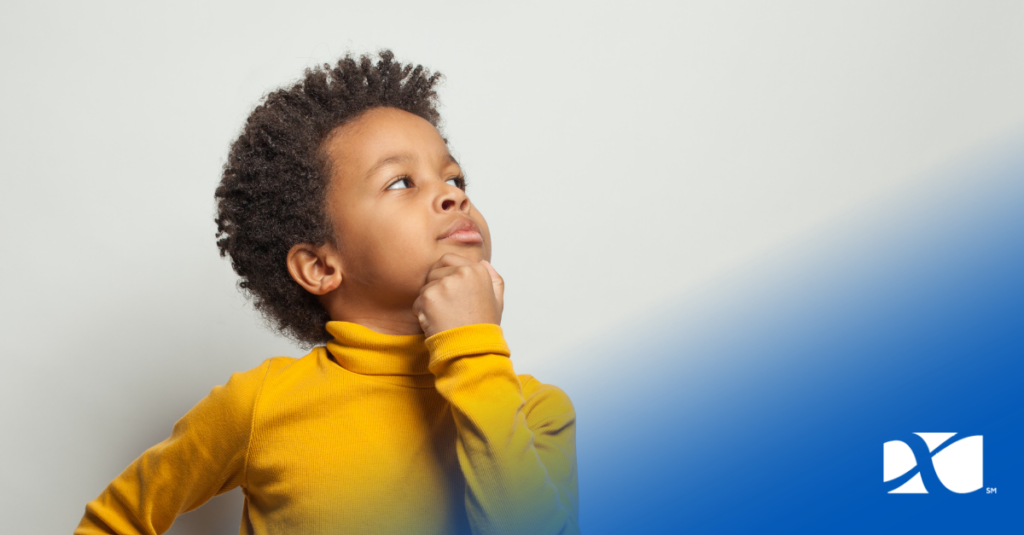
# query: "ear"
[[315, 268]]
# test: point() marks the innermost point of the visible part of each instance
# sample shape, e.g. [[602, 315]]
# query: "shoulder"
[[545, 401], [285, 372], [243, 388], [278, 380], [254, 378]]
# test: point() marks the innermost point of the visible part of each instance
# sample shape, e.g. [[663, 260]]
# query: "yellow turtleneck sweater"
[[375, 433]]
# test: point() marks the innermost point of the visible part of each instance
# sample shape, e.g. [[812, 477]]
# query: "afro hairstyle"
[[273, 190]]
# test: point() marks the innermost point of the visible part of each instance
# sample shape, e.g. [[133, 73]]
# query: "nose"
[[452, 198]]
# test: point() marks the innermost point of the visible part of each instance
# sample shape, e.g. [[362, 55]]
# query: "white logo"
[[957, 464]]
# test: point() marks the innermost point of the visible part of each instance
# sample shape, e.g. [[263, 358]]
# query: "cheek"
[[401, 249], [366, 248], [384, 247]]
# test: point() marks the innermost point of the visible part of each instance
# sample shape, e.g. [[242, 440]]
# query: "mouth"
[[463, 230]]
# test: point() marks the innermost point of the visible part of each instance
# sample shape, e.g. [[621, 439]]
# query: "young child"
[[347, 221]]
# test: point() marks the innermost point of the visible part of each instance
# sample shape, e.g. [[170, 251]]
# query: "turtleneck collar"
[[362, 350]]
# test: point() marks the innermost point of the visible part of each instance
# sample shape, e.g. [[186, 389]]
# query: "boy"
[[347, 221]]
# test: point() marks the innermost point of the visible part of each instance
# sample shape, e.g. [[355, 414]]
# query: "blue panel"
[[765, 408]]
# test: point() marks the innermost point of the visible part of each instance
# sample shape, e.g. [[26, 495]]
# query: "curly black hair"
[[272, 194]]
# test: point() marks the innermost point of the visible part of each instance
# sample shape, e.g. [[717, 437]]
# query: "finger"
[[451, 259], [441, 272], [420, 312], [424, 288], [497, 282]]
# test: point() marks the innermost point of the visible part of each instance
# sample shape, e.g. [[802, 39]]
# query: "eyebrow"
[[405, 158]]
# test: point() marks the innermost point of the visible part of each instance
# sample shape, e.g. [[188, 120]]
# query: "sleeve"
[[518, 454], [204, 456]]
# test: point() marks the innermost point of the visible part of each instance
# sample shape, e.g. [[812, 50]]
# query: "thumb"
[[497, 283]]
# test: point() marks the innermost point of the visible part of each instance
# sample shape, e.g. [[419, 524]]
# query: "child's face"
[[394, 196]]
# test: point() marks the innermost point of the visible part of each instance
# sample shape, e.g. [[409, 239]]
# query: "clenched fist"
[[459, 292]]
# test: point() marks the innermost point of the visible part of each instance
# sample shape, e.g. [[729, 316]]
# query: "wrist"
[[437, 323], [465, 341]]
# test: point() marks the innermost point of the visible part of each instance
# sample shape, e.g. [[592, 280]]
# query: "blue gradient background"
[[764, 404]]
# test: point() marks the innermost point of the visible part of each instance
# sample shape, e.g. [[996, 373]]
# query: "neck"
[[397, 319], [405, 324]]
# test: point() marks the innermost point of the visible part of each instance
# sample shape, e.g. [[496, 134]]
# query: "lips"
[[463, 230]]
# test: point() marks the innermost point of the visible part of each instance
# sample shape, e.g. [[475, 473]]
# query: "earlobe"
[[315, 268]]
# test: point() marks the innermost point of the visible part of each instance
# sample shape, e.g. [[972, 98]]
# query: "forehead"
[[383, 135]]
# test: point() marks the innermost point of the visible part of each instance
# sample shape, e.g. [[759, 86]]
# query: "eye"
[[458, 182], [405, 181]]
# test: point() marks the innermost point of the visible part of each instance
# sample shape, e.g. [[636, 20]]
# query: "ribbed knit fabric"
[[375, 433]]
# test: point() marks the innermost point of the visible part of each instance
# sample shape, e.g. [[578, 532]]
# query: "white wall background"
[[624, 154]]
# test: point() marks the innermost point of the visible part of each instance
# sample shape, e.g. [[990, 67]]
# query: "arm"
[[516, 446], [517, 452], [204, 456]]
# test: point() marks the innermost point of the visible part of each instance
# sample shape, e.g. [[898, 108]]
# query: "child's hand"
[[459, 292]]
